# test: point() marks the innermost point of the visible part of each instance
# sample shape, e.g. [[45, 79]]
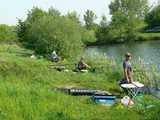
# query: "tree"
[[103, 22], [34, 14], [61, 34], [89, 19], [22, 28], [102, 31], [73, 16], [136, 8], [153, 17], [126, 17], [53, 12], [44, 32], [88, 36]]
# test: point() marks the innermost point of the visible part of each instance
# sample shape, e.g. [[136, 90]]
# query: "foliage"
[[44, 32], [102, 32], [148, 36], [7, 33], [60, 34], [89, 19], [127, 20], [153, 17], [88, 36], [126, 16], [53, 12], [103, 22], [74, 16], [22, 28]]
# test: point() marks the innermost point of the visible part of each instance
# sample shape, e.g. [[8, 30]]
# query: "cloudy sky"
[[10, 10]]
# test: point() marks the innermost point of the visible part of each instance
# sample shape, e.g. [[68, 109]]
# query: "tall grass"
[[147, 74], [27, 91]]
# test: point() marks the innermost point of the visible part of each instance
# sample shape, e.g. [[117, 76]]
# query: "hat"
[[128, 54]]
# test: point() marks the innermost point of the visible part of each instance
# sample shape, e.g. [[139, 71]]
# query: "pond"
[[148, 51]]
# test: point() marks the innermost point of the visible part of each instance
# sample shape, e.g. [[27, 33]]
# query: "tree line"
[[45, 31]]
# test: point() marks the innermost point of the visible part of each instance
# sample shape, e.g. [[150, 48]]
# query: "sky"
[[11, 10]]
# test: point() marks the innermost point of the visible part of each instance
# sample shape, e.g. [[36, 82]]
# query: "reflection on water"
[[149, 51]]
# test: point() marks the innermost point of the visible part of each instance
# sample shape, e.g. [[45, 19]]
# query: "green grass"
[[148, 36], [27, 91]]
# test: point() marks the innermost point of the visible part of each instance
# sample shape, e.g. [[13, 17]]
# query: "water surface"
[[149, 51]]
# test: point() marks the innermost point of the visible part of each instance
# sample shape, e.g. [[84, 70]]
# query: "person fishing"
[[132, 88], [55, 57], [127, 69], [33, 56], [82, 65]]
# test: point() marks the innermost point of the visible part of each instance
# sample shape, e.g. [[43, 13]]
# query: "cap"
[[128, 54]]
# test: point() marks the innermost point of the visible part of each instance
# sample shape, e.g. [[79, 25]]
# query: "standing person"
[[127, 69]]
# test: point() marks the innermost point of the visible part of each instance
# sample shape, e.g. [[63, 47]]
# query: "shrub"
[[88, 36], [7, 33], [44, 32], [60, 34]]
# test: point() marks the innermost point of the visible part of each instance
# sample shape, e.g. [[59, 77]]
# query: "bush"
[[7, 33], [88, 36], [44, 32], [60, 34]]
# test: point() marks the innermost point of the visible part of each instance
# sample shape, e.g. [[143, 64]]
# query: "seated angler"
[[82, 66], [55, 57]]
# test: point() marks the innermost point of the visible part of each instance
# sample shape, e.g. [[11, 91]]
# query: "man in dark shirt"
[[127, 69]]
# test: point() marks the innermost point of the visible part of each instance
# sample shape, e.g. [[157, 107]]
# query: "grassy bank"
[[148, 36], [140, 37], [27, 91]]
